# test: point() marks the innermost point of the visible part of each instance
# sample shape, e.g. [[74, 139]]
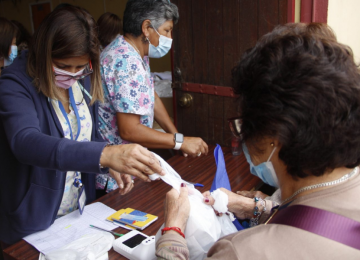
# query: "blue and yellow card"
[[148, 218]]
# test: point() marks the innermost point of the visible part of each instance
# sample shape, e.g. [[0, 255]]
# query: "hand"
[[241, 206], [252, 194], [194, 146], [177, 208], [131, 159], [124, 181]]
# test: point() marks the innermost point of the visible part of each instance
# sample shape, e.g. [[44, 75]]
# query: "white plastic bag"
[[88, 247], [162, 84], [203, 228]]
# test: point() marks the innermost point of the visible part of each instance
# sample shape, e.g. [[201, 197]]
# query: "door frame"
[[314, 11]]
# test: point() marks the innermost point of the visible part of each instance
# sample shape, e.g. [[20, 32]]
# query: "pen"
[[196, 184], [112, 232]]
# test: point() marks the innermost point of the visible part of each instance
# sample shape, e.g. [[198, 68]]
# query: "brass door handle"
[[186, 100]]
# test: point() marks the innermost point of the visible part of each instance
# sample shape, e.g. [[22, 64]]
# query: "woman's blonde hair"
[[66, 32]]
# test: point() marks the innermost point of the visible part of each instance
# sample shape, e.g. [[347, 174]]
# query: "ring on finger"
[[199, 154], [132, 181]]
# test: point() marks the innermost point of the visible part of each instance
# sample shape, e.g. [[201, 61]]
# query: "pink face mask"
[[65, 79]]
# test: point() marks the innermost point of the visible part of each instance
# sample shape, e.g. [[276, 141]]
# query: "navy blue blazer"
[[35, 156]]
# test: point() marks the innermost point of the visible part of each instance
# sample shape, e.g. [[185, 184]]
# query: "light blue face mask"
[[162, 49], [265, 171], [12, 56]]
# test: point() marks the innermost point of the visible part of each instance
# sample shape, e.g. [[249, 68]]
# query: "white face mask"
[[12, 56], [162, 49]]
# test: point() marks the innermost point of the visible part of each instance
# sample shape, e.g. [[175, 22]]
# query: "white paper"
[[103, 257], [221, 201], [71, 227]]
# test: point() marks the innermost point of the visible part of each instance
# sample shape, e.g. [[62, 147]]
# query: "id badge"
[[81, 199]]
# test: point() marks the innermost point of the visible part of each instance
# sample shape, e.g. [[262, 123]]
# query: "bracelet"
[[107, 145], [255, 220], [172, 228]]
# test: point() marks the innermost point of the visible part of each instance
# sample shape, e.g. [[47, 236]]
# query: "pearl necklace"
[[133, 45], [324, 184]]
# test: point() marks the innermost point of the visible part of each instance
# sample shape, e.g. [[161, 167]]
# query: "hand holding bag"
[[203, 228]]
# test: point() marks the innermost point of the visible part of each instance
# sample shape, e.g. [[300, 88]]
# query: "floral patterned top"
[[128, 88], [70, 196]]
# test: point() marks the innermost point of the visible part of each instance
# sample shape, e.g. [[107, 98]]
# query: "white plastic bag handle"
[[171, 177]]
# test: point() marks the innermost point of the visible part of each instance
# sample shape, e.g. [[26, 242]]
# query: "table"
[[149, 197]]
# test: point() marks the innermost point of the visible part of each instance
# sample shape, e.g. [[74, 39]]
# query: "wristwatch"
[[179, 139]]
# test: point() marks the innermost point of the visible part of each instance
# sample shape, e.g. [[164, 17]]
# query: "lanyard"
[[72, 102], [77, 180]]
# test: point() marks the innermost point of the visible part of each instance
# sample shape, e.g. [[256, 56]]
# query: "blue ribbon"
[[221, 179], [73, 104]]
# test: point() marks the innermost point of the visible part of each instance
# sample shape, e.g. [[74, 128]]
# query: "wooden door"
[[38, 12], [208, 41]]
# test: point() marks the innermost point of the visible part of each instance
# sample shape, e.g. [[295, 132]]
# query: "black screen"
[[134, 241]]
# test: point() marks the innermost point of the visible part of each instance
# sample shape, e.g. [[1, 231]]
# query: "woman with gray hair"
[[131, 103]]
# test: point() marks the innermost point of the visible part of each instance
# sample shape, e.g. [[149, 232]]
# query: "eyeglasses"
[[77, 77]]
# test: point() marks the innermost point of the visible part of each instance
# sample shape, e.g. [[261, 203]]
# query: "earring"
[[145, 39], [272, 144]]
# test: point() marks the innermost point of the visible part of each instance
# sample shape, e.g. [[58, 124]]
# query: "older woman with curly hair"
[[300, 110], [130, 102], [244, 205]]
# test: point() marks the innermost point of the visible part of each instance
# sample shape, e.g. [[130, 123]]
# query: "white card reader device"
[[136, 246]]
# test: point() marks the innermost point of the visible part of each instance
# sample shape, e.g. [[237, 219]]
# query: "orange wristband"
[[172, 228]]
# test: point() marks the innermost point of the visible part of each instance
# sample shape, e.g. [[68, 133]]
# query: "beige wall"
[[297, 11], [21, 13], [344, 19]]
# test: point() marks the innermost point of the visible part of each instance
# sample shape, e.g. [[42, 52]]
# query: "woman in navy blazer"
[[35, 156]]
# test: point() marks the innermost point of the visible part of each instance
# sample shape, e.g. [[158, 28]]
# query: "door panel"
[[248, 24], [185, 60], [215, 44], [216, 110], [201, 114], [208, 42], [199, 35], [39, 12], [231, 39]]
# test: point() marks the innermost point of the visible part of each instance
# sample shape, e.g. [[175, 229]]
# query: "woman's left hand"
[[194, 146], [252, 194], [124, 181], [241, 206], [177, 208]]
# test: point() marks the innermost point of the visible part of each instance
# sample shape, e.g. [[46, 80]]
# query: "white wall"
[[344, 19]]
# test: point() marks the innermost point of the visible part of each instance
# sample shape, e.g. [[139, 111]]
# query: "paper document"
[[71, 227]]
